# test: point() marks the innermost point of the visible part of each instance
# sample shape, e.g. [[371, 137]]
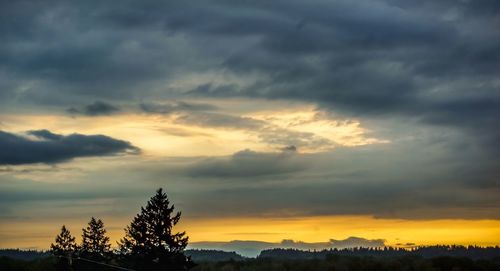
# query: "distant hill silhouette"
[[252, 248], [26, 255]]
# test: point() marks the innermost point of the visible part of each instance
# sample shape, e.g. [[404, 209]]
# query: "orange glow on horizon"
[[307, 229], [324, 228]]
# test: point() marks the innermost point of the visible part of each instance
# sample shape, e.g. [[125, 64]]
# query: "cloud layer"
[[50, 148], [424, 77], [97, 108], [434, 63], [248, 163]]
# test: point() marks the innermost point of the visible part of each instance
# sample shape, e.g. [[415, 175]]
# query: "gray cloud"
[[98, 108], [217, 120], [247, 164], [202, 115], [285, 138], [265, 131], [373, 197], [381, 181], [173, 107], [94, 58], [54, 148]]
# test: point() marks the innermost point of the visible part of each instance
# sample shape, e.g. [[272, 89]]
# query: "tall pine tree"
[[65, 243], [150, 240], [64, 248], [95, 243]]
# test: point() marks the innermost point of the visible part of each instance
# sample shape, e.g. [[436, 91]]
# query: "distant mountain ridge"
[[26, 255], [250, 248]]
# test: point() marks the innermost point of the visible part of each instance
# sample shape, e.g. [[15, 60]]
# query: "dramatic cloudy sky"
[[263, 120]]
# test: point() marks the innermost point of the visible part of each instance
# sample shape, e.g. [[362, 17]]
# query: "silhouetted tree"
[[64, 248], [150, 241], [95, 243]]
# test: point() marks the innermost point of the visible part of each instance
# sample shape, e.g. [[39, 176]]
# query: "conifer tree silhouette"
[[64, 248], [95, 243], [150, 241]]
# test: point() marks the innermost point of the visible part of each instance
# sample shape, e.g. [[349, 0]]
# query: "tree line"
[[355, 263], [150, 243], [471, 252]]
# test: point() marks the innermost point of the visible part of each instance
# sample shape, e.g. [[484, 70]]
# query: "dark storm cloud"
[[97, 108], [247, 164], [54, 148], [478, 116], [73, 52], [363, 58], [371, 58]]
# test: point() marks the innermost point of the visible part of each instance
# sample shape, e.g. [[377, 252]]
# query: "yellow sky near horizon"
[[39, 234], [324, 228]]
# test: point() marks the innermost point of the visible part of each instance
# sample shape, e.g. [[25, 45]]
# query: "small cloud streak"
[[98, 108], [173, 107]]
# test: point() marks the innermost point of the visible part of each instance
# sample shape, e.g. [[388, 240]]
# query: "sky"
[[305, 124]]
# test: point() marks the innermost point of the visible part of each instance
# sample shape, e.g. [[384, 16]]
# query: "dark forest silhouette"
[[472, 252], [293, 260]]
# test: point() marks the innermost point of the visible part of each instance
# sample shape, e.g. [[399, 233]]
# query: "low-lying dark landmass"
[[356, 263], [433, 258], [472, 252], [204, 255], [26, 255]]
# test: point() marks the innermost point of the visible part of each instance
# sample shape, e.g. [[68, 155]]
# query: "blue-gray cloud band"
[[49, 148], [98, 108]]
